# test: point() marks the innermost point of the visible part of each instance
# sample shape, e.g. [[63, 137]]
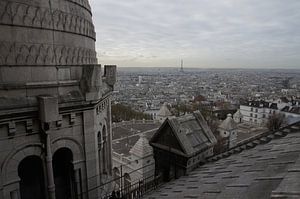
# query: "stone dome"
[[47, 47], [46, 32], [228, 124]]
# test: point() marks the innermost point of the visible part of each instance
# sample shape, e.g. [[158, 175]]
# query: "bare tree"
[[276, 121]]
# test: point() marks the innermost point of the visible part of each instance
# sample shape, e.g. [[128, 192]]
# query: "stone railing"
[[135, 122], [257, 139]]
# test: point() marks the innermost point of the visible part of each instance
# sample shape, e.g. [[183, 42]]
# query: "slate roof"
[[124, 145], [126, 135], [266, 166], [192, 133], [142, 148]]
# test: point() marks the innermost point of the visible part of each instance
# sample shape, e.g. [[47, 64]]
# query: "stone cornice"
[[24, 15], [65, 108]]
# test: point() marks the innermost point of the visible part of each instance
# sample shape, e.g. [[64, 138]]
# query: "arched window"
[[63, 171]]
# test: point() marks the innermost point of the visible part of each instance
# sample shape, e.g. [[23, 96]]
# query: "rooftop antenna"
[[181, 66]]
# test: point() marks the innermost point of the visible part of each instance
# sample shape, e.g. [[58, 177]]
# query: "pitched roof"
[[228, 123], [191, 131], [269, 170], [142, 147], [164, 111]]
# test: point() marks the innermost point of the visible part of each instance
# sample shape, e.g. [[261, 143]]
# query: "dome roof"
[[46, 45], [228, 123], [52, 33]]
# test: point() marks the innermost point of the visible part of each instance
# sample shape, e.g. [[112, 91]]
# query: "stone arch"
[[32, 178], [9, 168], [70, 143]]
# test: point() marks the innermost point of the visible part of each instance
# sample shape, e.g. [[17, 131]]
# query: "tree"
[[276, 121], [120, 113]]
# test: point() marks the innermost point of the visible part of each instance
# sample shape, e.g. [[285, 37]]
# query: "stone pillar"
[[78, 183], [14, 195], [48, 113], [12, 191], [91, 154], [1, 187], [109, 136], [50, 175]]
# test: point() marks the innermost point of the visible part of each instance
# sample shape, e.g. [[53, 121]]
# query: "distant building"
[[163, 113], [153, 113], [140, 80], [181, 144], [258, 112], [238, 116]]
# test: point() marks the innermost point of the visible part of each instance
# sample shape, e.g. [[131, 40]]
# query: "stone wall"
[[47, 50]]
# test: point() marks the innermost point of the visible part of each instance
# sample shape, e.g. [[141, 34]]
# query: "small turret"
[[228, 129]]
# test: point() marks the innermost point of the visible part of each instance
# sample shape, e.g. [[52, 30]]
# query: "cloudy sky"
[[204, 33]]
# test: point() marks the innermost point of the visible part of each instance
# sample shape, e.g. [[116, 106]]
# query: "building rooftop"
[[267, 166], [127, 134], [191, 131]]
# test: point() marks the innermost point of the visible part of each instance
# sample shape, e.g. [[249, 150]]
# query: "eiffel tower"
[[181, 66]]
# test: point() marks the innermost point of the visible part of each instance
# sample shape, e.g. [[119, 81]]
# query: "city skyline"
[[217, 34]]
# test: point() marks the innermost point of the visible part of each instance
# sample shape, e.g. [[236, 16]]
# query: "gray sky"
[[204, 33]]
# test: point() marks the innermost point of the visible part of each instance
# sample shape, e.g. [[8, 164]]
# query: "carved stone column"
[[50, 175]]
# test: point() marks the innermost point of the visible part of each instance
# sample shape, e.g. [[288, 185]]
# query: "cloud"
[[203, 32]]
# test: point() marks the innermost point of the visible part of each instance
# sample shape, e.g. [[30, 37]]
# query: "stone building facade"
[[55, 108]]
